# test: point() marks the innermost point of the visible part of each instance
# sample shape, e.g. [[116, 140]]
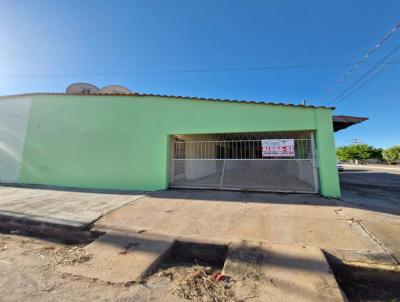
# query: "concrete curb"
[[383, 167], [73, 234]]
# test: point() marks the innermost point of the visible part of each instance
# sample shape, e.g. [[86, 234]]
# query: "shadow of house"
[[365, 284]]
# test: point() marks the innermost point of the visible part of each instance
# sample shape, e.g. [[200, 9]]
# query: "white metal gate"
[[239, 164]]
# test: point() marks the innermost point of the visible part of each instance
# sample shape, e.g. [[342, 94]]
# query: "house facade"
[[152, 142]]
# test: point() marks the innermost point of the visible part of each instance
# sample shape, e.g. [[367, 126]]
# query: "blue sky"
[[46, 45]]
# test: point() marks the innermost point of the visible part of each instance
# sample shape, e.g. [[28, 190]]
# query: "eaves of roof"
[[175, 97]]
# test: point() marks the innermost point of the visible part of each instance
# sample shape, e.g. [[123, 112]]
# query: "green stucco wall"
[[121, 142]]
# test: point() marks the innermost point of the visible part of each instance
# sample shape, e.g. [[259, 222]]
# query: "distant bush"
[[392, 155], [361, 152]]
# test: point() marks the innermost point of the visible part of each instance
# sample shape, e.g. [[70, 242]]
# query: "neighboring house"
[[152, 142]]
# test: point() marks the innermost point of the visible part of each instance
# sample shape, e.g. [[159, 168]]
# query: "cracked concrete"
[[222, 217], [274, 272]]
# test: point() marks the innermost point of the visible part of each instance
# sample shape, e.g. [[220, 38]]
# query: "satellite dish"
[[81, 88], [114, 89]]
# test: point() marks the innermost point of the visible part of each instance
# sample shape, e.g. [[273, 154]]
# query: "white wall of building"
[[14, 115]]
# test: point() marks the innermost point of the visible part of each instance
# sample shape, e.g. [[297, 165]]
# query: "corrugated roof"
[[349, 119], [175, 97], [344, 121]]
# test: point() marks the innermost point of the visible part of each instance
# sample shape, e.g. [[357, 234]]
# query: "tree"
[[377, 153], [343, 153], [361, 152], [392, 154]]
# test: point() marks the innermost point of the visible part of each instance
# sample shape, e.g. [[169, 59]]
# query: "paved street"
[[377, 190], [371, 186], [387, 177]]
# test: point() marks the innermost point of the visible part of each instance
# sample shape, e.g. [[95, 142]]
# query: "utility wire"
[[382, 70], [362, 60], [271, 67], [376, 66]]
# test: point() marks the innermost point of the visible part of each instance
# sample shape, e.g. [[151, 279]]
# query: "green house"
[[153, 142]]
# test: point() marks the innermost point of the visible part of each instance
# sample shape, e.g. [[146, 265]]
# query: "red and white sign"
[[277, 147]]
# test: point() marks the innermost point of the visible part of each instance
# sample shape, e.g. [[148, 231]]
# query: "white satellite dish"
[[81, 88], [114, 89]]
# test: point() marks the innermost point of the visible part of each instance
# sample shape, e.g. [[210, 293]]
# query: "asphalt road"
[[386, 177], [372, 187]]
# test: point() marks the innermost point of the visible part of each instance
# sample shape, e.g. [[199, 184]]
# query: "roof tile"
[[175, 97]]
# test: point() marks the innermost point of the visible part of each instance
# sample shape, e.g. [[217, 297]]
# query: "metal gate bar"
[[239, 164]]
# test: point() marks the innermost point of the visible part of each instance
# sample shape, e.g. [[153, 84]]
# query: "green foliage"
[[377, 153], [392, 154], [343, 153], [360, 152]]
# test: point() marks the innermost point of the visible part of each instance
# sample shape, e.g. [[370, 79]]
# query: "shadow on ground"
[[366, 284], [380, 180], [358, 283]]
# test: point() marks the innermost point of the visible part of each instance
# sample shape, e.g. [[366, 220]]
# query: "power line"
[[382, 70], [376, 66], [362, 60], [271, 67]]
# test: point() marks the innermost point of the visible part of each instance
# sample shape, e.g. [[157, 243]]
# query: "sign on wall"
[[277, 147]]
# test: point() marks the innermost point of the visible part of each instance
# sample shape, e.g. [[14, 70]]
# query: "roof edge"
[[171, 96], [341, 122]]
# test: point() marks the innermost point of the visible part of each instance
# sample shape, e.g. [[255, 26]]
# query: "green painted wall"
[[326, 151], [122, 142]]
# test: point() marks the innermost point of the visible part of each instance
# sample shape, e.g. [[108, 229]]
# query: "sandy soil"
[[28, 272]]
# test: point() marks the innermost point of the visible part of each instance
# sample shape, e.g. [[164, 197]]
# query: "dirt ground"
[[28, 272]]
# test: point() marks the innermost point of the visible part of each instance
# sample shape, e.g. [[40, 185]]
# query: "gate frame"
[[171, 166], [315, 162]]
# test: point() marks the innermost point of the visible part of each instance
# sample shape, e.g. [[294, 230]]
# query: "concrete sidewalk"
[[275, 272], [264, 272], [200, 215], [287, 233], [63, 213], [150, 223], [223, 217]]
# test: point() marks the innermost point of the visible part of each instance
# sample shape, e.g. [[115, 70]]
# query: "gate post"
[[314, 162]]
